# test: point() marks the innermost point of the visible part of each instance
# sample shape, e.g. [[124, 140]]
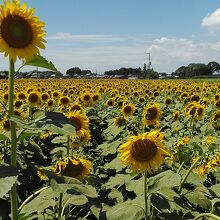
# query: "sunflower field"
[[112, 149], [104, 149]]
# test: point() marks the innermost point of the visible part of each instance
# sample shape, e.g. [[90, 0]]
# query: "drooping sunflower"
[[152, 113], [80, 122], [73, 167], [176, 115], [128, 110], [144, 152], [21, 31], [75, 141], [119, 121], [215, 120]]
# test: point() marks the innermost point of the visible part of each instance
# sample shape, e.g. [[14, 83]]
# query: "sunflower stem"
[[13, 192], [146, 195], [186, 176], [60, 206], [180, 168], [68, 146]]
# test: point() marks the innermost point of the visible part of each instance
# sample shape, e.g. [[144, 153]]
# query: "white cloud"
[[212, 21], [168, 53], [97, 38]]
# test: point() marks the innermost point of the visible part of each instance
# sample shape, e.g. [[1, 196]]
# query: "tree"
[[214, 66], [74, 71]]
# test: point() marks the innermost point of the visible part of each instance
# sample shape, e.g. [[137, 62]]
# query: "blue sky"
[[108, 34]]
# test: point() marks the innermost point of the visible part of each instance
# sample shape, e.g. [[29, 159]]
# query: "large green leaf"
[[74, 187], [118, 180], [6, 184], [132, 209], [40, 61], [216, 189], [199, 197], [165, 179]]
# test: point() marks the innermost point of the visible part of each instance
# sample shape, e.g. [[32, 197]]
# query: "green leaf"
[[199, 197], [4, 137], [40, 61], [216, 189], [132, 209], [118, 180], [115, 194], [165, 179], [41, 202], [75, 199], [74, 187], [6, 185], [59, 140]]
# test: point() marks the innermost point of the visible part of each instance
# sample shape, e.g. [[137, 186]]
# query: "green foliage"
[[40, 61]]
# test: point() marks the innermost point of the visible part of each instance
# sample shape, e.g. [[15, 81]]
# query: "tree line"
[[192, 70], [197, 69]]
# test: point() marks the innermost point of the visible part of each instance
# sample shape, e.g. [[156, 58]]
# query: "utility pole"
[[149, 64]]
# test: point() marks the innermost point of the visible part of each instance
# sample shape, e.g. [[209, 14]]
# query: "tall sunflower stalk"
[[144, 153], [21, 33]]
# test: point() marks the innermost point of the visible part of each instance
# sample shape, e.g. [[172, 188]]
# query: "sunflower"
[[215, 120], [144, 152], [168, 101], [119, 121], [152, 113], [96, 97], [76, 167], [176, 115], [21, 31], [64, 101], [80, 122], [76, 107], [34, 99], [50, 103], [5, 124], [87, 99], [110, 102], [18, 103], [21, 96], [45, 96], [210, 140], [75, 142], [128, 110]]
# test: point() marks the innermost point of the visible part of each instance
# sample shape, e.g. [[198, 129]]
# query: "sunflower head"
[[168, 101], [119, 121], [215, 120], [21, 31], [152, 113], [34, 99], [144, 152], [176, 115], [128, 110], [73, 167], [80, 122]]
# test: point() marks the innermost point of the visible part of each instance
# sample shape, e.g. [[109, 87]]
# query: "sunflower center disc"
[[77, 123], [73, 170], [143, 150], [127, 109], [152, 113], [33, 98], [16, 31]]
